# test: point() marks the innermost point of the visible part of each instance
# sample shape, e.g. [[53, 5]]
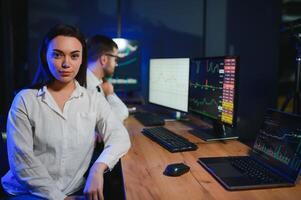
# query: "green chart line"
[[197, 85], [203, 102]]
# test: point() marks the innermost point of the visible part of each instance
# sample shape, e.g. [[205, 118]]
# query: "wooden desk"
[[144, 164]]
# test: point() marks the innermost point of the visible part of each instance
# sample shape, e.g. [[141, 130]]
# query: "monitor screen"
[[126, 77], [168, 82], [212, 85]]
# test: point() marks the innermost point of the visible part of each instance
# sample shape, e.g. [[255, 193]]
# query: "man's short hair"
[[98, 45]]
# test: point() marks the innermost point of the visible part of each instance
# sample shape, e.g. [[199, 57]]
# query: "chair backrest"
[[3, 149], [3, 152]]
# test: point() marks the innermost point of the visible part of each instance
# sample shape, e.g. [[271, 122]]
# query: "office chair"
[[3, 152]]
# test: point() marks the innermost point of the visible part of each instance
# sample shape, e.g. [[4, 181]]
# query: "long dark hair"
[[43, 75]]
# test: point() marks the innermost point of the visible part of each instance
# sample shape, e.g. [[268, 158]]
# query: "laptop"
[[274, 161]]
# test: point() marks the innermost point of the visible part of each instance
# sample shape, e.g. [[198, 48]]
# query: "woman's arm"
[[117, 143], [28, 170], [115, 136]]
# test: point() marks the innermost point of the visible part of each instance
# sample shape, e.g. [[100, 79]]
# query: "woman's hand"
[[94, 185]]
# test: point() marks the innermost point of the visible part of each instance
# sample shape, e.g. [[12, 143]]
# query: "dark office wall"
[[215, 28], [2, 69], [253, 31], [13, 36]]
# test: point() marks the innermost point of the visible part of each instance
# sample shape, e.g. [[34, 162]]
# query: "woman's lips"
[[65, 73]]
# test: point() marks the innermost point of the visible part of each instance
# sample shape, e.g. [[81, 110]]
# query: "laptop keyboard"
[[168, 139], [254, 170]]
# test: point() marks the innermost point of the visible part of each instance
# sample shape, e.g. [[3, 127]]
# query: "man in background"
[[102, 60]]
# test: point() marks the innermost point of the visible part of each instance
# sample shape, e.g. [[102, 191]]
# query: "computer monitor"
[[126, 77], [168, 82], [213, 96]]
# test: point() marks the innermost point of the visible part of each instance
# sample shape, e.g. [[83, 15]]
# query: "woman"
[[51, 128]]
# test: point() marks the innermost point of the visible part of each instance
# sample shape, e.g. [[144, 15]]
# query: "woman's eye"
[[75, 56], [56, 55]]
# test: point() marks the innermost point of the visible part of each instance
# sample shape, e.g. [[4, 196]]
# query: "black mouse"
[[176, 169]]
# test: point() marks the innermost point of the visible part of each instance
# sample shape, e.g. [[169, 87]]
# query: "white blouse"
[[49, 150]]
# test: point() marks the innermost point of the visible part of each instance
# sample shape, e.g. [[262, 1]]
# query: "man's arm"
[[118, 107]]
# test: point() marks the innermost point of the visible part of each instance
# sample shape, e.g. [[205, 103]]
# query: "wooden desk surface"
[[145, 162]]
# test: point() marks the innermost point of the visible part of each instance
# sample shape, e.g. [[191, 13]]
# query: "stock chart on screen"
[[282, 143], [212, 87]]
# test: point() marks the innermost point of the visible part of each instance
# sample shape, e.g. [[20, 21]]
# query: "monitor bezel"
[[162, 106], [236, 88]]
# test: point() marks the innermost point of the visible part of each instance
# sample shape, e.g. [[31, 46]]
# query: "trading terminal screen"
[[212, 88]]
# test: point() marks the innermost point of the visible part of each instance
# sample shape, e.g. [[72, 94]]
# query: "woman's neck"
[[61, 92], [57, 86]]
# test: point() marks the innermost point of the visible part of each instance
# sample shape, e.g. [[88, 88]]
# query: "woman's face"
[[64, 58]]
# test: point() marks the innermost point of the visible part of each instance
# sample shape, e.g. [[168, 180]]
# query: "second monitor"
[[168, 82], [212, 94]]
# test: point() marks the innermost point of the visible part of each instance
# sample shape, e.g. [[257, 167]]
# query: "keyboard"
[[254, 170], [169, 140], [149, 119]]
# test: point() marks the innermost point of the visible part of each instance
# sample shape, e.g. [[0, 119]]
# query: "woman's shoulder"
[[27, 93], [24, 95]]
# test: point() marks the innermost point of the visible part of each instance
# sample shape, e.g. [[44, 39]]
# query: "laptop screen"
[[279, 142]]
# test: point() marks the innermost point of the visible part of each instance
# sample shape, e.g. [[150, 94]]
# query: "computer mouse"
[[176, 169]]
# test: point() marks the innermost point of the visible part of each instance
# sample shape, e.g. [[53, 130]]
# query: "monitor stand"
[[218, 132], [174, 116]]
